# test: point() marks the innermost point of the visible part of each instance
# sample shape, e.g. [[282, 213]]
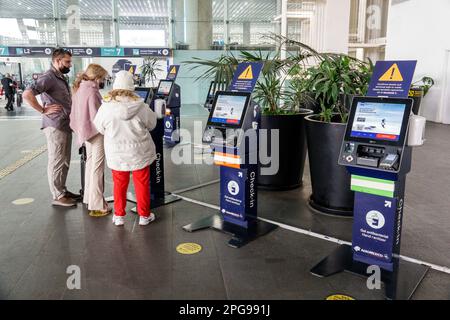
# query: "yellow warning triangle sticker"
[[247, 74], [131, 70], [393, 74], [174, 70]]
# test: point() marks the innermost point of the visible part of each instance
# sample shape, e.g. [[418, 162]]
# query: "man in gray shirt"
[[57, 103]]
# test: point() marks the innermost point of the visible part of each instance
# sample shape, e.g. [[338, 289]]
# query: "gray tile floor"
[[38, 242]]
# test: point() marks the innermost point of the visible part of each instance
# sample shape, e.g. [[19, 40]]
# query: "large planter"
[[416, 93], [331, 192], [292, 151]]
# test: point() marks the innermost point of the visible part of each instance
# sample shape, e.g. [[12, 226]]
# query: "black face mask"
[[64, 70], [101, 85]]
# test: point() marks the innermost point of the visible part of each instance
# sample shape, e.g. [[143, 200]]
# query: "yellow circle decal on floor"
[[23, 201], [189, 248], [339, 297]]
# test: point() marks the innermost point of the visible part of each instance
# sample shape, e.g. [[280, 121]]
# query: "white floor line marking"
[[197, 186], [436, 267]]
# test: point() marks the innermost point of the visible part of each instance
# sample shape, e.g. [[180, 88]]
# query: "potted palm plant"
[[281, 103], [332, 82], [148, 70]]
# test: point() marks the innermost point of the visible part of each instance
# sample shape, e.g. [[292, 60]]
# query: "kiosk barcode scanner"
[[376, 154], [158, 195], [234, 119]]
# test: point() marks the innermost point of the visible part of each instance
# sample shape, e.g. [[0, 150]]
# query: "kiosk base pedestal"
[[241, 236], [399, 285]]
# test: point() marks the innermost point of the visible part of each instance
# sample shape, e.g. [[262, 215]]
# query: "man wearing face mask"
[[56, 99]]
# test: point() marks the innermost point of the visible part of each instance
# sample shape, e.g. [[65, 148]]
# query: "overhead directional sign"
[[392, 79], [86, 51]]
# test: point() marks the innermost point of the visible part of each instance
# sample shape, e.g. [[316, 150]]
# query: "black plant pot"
[[292, 151], [331, 192], [416, 93]]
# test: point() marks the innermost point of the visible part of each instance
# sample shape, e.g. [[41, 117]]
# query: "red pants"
[[141, 180]]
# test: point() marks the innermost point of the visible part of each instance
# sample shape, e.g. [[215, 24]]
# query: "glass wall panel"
[[144, 23], [251, 22], [27, 22], [86, 22]]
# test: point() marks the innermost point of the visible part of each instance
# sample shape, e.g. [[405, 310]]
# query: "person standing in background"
[[7, 84], [86, 100], [57, 102]]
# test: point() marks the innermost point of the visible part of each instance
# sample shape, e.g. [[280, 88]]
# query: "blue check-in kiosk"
[[232, 131], [376, 154], [170, 93]]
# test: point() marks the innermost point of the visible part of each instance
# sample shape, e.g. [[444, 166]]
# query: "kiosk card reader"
[[377, 156], [232, 131]]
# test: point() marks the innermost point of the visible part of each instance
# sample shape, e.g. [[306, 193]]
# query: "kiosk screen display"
[[142, 93], [378, 121], [164, 87], [229, 109]]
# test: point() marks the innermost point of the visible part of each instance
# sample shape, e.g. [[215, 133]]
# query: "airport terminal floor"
[[39, 242]]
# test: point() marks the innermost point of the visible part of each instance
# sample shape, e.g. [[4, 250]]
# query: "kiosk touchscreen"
[[144, 93], [164, 88], [376, 133], [228, 109], [229, 113]]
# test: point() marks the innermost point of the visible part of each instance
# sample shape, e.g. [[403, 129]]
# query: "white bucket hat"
[[123, 81]]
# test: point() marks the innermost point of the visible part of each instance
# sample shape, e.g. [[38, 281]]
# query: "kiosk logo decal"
[[247, 74], [168, 124], [393, 74], [375, 219], [233, 187]]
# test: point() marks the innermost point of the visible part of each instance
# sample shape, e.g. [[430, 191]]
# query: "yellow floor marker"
[[339, 297], [392, 75], [23, 201], [189, 248]]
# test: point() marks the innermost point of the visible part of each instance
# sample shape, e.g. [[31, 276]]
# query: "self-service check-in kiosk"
[[377, 156], [158, 195], [168, 94], [232, 130]]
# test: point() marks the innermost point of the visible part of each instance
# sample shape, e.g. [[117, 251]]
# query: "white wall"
[[418, 30]]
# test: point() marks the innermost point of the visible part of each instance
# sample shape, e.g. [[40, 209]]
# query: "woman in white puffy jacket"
[[125, 120]]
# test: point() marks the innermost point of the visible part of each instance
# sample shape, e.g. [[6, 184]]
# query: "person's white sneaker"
[[143, 221], [118, 220]]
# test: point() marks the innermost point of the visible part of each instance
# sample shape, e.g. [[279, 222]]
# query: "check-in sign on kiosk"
[[376, 154], [233, 133]]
